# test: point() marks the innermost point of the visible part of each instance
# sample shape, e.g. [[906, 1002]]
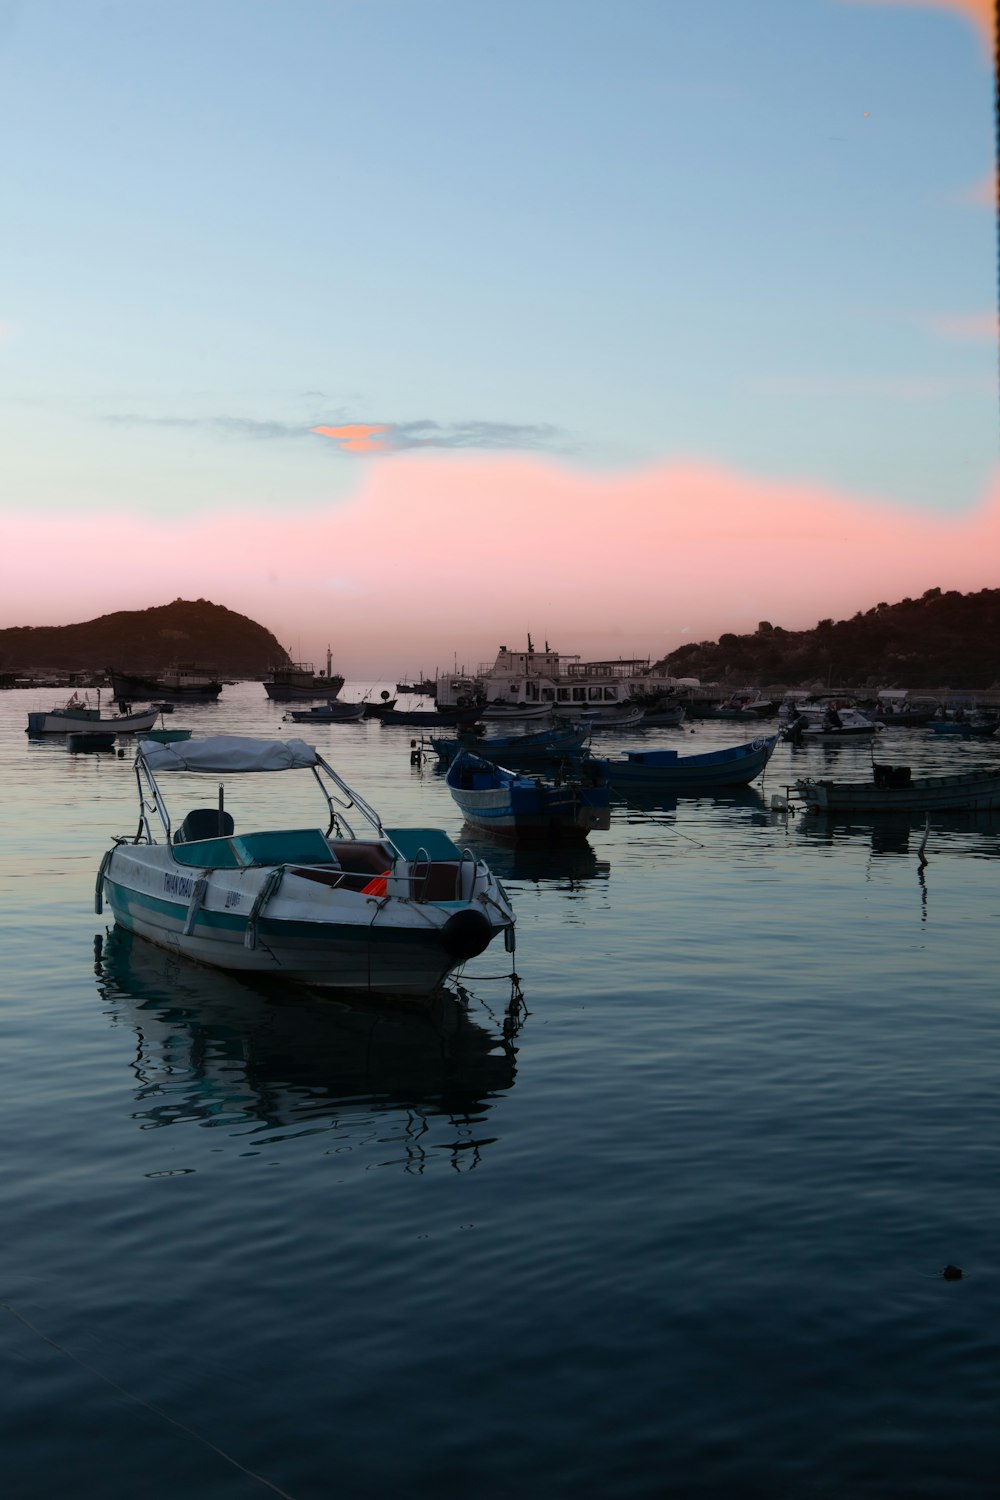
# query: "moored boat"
[[333, 712], [894, 789], [624, 718], [664, 716], [167, 736], [973, 727], [565, 684], [424, 687], [501, 801], [831, 727], [500, 711], [544, 747], [383, 910], [422, 718], [77, 717], [737, 765], [298, 681], [185, 680]]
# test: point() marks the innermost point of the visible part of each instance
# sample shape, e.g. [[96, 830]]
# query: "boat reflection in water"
[[741, 804], [561, 864], [216, 1050], [970, 832]]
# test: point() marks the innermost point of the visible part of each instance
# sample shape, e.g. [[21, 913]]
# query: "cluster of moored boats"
[[345, 902]]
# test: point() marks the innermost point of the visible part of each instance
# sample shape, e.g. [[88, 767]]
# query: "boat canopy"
[[222, 753]]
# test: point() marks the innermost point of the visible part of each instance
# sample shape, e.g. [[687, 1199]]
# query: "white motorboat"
[[386, 910], [831, 726]]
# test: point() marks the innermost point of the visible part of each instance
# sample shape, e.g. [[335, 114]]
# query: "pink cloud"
[[965, 326], [981, 194], [437, 557], [355, 437], [980, 12]]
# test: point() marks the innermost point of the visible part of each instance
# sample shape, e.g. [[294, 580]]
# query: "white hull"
[[88, 722], [308, 931]]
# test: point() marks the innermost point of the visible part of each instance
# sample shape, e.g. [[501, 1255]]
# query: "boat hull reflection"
[[968, 831], [214, 1049], [559, 863], [740, 801]]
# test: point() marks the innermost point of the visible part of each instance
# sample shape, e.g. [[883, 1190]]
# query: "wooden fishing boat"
[[501, 711], [76, 717], [598, 721], [298, 681], [664, 718], [737, 765], [976, 727], [500, 801], [895, 789], [187, 680], [544, 747], [333, 712], [384, 910]]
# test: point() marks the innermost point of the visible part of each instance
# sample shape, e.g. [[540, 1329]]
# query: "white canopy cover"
[[222, 753]]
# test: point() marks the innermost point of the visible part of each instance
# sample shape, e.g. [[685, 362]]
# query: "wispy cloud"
[[369, 437], [400, 437], [248, 427]]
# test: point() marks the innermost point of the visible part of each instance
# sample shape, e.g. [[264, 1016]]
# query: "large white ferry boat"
[[526, 679]]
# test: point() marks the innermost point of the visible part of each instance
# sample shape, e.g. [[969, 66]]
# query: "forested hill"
[[939, 640], [145, 640]]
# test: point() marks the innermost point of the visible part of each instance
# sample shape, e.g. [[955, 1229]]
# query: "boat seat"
[[204, 823]]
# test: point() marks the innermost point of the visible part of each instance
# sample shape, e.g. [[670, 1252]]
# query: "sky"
[[412, 326]]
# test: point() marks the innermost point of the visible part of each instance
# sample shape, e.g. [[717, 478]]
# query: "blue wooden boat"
[[501, 802], [893, 789], [737, 765], [974, 728], [545, 747]]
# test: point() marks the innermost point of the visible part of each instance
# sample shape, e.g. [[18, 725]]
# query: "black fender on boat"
[[466, 933]]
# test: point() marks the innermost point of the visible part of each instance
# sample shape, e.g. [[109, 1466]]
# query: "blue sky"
[[751, 233]]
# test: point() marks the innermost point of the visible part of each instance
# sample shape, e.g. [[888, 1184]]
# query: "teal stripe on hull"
[[410, 962], [216, 922]]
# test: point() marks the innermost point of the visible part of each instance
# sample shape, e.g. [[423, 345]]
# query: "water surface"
[[676, 1227]]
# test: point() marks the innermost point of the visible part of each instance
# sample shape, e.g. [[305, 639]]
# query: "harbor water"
[[674, 1224]]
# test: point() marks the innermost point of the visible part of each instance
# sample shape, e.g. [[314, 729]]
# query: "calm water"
[[679, 1232]]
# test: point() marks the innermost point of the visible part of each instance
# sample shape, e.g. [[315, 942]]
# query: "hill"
[[939, 640], [146, 640]]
